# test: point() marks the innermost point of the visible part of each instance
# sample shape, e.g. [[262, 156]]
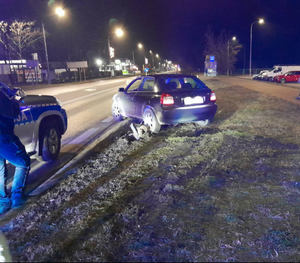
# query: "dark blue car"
[[165, 99]]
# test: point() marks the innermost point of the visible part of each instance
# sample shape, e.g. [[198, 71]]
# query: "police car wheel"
[[51, 142]]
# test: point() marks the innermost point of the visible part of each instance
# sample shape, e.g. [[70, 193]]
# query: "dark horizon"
[[174, 29]]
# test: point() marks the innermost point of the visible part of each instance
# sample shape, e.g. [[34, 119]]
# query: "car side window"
[[134, 86], [148, 84]]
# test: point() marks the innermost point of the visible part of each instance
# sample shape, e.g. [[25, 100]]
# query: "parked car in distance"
[[279, 70], [40, 125], [260, 75], [165, 99], [292, 76]]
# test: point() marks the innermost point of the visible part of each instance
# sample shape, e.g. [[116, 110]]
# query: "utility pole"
[[46, 53]]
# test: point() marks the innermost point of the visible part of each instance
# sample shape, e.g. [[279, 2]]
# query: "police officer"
[[12, 150]]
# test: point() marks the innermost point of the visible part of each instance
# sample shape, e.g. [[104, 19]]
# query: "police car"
[[41, 123]]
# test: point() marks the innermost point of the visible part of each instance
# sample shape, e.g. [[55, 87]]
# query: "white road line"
[[90, 89], [81, 138], [54, 91], [108, 119], [36, 165], [86, 96]]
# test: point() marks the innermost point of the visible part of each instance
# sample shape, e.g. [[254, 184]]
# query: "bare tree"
[[19, 37], [4, 28], [223, 48]]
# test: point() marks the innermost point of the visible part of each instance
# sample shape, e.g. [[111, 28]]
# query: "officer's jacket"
[[9, 109]]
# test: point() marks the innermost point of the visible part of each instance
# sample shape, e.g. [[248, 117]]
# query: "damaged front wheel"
[[116, 111]]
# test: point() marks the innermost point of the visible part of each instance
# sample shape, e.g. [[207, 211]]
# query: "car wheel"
[[282, 81], [151, 121], [116, 111], [50, 142]]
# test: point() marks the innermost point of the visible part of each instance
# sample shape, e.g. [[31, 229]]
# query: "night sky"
[[173, 28]]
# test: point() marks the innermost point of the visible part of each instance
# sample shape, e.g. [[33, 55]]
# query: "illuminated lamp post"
[[60, 12], [119, 32], [228, 43], [261, 21], [158, 63], [152, 59], [141, 47]]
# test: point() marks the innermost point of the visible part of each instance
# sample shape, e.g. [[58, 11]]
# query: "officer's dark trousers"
[[12, 150]]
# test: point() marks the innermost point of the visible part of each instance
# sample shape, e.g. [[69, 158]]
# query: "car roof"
[[169, 76]]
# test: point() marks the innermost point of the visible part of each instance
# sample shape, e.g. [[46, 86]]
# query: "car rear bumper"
[[186, 114]]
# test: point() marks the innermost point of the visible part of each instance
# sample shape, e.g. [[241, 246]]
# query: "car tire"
[[116, 111], [282, 81], [151, 121], [50, 141]]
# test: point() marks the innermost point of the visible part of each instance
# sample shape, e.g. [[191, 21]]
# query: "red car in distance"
[[291, 76]]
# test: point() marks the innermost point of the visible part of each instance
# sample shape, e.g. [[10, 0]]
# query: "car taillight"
[[213, 96], [166, 99]]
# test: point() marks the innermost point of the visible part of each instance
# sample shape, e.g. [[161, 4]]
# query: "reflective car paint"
[[27, 125]]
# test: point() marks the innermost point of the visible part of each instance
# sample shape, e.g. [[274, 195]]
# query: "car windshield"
[[180, 83]]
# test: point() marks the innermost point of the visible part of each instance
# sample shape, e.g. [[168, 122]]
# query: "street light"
[[119, 32], [152, 59], [140, 45], [228, 42], [60, 12], [261, 21], [98, 61]]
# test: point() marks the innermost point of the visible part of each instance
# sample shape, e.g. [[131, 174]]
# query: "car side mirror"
[[121, 89]]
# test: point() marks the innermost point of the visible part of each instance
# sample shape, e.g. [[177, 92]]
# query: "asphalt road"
[[87, 105]]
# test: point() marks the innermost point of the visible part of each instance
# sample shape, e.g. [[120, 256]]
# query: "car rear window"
[[180, 83]]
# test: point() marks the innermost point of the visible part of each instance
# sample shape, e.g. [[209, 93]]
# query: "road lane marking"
[[59, 90], [84, 136], [108, 119], [86, 96], [90, 89]]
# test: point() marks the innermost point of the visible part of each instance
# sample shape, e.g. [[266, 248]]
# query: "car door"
[[289, 77], [128, 97], [24, 126], [297, 76], [143, 95]]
